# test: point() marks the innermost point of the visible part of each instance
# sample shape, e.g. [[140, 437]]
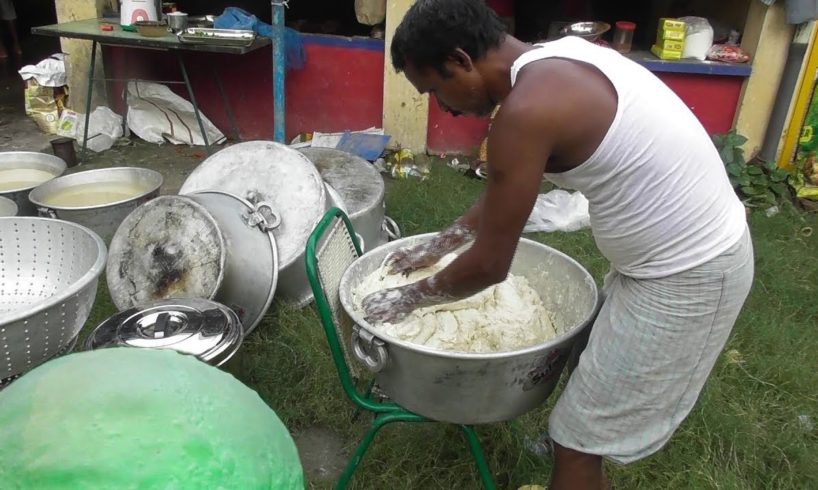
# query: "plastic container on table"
[[623, 36]]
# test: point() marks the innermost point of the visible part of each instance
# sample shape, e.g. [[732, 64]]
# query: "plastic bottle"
[[623, 36]]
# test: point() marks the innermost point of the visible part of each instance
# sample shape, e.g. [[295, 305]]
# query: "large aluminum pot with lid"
[[362, 191], [469, 388], [21, 171], [98, 199], [209, 245], [202, 328], [264, 171]]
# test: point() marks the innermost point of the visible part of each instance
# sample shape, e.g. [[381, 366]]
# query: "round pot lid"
[[202, 328], [170, 247], [270, 172], [359, 184]]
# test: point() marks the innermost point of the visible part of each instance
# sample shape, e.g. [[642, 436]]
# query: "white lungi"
[[649, 354]]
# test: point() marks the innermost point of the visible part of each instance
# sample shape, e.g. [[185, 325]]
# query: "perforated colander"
[[48, 281]]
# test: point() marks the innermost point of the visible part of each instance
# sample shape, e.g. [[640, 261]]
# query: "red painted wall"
[[712, 98], [340, 86]]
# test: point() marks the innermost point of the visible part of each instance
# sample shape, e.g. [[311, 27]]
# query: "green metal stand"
[[385, 413]]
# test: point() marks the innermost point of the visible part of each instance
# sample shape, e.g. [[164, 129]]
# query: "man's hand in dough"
[[392, 305], [407, 260]]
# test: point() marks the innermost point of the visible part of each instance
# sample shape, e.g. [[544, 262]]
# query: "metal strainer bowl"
[[48, 281]]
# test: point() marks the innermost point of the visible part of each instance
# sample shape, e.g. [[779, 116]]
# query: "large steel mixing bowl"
[[48, 282], [467, 388]]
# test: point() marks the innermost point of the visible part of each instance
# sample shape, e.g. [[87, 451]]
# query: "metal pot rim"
[[92, 273], [568, 334], [35, 196], [9, 202], [56, 162]]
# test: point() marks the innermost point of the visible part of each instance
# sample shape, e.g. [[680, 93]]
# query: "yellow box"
[[666, 24], [670, 36], [666, 54], [670, 45]]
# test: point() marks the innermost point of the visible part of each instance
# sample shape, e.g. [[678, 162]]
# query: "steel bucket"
[[466, 388], [28, 160], [104, 219]]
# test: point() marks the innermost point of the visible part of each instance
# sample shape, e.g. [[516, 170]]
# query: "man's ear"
[[461, 59]]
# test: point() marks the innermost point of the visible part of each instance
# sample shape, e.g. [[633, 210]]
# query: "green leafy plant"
[[758, 184]]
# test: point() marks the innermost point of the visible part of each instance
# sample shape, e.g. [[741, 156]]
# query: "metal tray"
[[217, 37]]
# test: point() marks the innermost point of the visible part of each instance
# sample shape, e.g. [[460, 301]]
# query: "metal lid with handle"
[[206, 329]]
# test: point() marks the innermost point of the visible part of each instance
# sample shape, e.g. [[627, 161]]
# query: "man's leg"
[[650, 352], [574, 470]]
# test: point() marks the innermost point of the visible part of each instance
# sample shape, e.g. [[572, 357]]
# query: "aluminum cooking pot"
[[12, 160], [361, 189], [264, 171], [104, 219], [209, 245], [8, 208], [469, 388]]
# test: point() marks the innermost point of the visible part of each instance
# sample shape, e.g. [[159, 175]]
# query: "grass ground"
[[754, 425]]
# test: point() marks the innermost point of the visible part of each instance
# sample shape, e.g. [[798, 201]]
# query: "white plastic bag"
[[698, 37], [156, 115], [104, 127], [370, 12], [50, 72], [559, 211]]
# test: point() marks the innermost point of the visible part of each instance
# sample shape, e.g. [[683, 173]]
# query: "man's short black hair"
[[433, 29]]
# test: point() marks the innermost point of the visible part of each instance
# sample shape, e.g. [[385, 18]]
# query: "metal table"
[[91, 30]]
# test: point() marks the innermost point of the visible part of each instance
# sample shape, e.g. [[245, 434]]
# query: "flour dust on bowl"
[[99, 199], [264, 171], [207, 245], [202, 328], [476, 388], [362, 191], [8, 208], [22, 171], [48, 283]]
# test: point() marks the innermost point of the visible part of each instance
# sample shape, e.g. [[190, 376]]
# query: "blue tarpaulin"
[[236, 18]]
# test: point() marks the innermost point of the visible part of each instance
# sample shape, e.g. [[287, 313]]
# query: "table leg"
[[88, 100], [193, 101], [233, 125]]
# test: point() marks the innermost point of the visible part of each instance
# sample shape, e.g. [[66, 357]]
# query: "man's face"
[[460, 91]]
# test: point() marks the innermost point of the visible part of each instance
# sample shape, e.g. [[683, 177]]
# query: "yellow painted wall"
[[79, 53], [405, 111], [767, 38]]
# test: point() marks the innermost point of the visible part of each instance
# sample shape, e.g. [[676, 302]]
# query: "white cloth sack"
[[156, 115], [559, 210], [50, 72]]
